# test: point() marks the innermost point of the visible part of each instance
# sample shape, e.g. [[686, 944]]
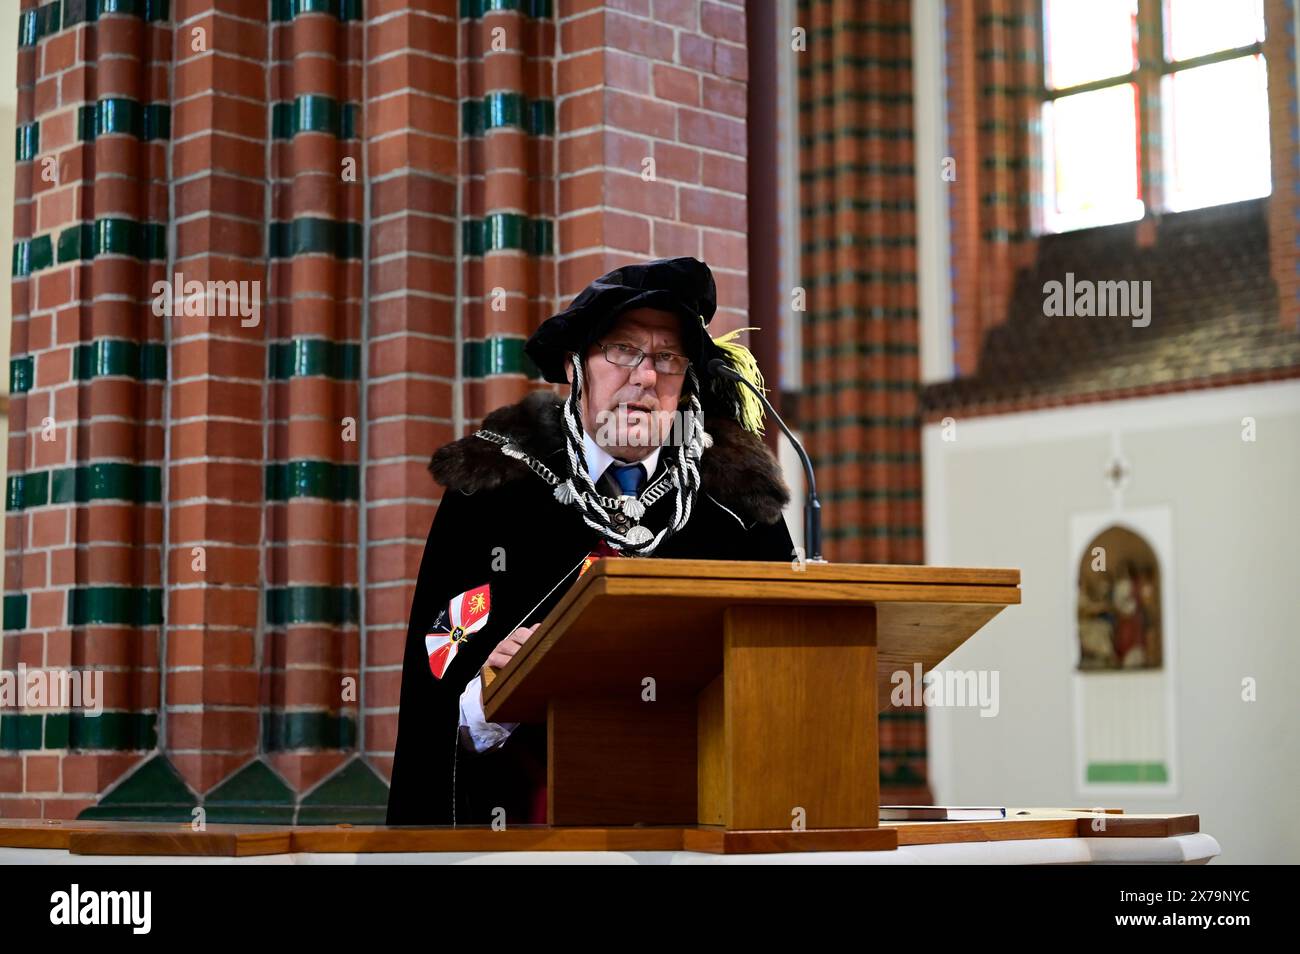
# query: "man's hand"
[[506, 649]]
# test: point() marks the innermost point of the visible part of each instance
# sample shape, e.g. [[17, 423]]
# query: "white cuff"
[[478, 733]]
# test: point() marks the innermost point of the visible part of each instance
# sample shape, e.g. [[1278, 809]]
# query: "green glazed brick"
[[113, 731], [290, 605], [19, 732], [141, 483], [22, 374], [115, 605], [31, 255], [502, 231], [313, 478], [314, 357], [501, 354], [314, 113], [110, 357], [345, 10], [28, 142], [314, 236], [535, 9], [287, 731], [27, 490], [15, 611]]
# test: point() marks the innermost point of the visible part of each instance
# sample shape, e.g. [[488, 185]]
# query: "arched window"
[[1118, 603]]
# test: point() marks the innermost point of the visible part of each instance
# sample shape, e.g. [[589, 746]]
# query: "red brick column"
[[660, 81], [404, 192], [411, 170], [1284, 203], [312, 683], [216, 406], [994, 63], [83, 511]]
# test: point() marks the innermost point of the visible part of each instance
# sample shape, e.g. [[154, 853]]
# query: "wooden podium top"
[[628, 618], [179, 839]]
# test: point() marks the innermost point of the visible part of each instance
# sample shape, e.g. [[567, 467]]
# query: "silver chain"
[[655, 491]]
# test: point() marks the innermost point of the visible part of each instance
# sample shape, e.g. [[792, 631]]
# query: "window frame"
[[1153, 66]]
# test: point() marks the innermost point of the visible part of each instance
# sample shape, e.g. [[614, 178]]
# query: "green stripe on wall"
[[841, 96], [507, 110], [851, 26], [832, 64], [861, 420], [31, 255], [19, 732], [855, 277], [111, 357], [287, 605], [1007, 56], [1009, 20], [27, 490], [895, 348], [859, 205], [43, 21], [146, 241], [148, 10], [1136, 772], [858, 493], [15, 611], [866, 457], [140, 483], [838, 169], [860, 313], [476, 9], [116, 731], [283, 731], [345, 10], [909, 386], [22, 374], [313, 236], [115, 606], [315, 114], [873, 532], [38, 23], [314, 357], [28, 142], [108, 731], [859, 241], [312, 478], [126, 117], [1007, 235], [502, 231], [897, 134], [501, 354]]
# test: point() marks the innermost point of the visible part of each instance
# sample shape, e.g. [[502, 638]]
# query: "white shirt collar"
[[599, 459]]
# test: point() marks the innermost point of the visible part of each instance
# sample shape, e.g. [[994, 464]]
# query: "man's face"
[[629, 411]]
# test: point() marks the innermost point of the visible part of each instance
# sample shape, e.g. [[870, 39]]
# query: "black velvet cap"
[[683, 286]]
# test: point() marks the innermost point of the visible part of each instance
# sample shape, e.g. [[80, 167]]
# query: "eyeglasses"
[[626, 356]]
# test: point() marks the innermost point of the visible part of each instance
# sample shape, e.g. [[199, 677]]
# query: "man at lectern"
[[649, 456]]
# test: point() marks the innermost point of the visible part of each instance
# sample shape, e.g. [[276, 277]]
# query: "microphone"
[[812, 511]]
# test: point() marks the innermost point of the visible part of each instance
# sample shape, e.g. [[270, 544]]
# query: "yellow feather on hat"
[[744, 363]]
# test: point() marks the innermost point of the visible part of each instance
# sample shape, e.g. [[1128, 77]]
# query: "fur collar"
[[738, 471]]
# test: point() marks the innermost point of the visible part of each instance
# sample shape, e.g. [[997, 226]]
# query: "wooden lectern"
[[736, 698]]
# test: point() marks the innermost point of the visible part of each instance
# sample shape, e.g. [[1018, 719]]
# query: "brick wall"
[[1284, 123], [858, 407], [228, 515]]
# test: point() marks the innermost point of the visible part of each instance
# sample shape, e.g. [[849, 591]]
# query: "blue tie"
[[630, 477]]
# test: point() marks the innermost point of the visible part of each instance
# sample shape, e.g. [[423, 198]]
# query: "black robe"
[[499, 523]]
